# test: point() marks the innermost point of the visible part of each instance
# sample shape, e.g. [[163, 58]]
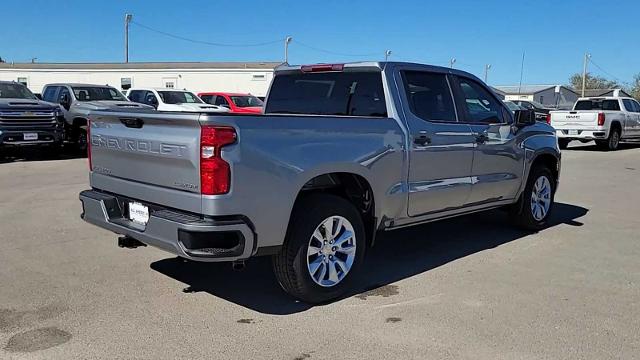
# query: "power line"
[[607, 73], [333, 52], [204, 42]]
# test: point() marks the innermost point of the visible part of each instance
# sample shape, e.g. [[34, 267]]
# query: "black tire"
[[521, 213], [290, 265], [613, 141], [563, 143], [82, 141]]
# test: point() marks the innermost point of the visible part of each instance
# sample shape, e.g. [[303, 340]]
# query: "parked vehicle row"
[[343, 151], [61, 113], [607, 120]]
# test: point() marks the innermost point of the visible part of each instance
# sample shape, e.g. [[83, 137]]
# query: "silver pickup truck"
[[343, 151]]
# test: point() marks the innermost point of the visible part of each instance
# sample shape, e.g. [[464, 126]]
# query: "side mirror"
[[524, 118], [65, 101]]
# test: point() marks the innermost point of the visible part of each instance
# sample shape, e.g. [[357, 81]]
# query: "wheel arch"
[[350, 185]]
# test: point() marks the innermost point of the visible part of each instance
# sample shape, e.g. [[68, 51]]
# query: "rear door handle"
[[422, 140], [481, 138]]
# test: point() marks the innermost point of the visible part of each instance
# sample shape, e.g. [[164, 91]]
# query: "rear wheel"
[[536, 202], [563, 143], [323, 249], [613, 141]]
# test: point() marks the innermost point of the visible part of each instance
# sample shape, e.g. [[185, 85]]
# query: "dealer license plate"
[[30, 136], [573, 132], [138, 213]]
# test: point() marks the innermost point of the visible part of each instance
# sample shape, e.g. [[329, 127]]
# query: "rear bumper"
[[183, 234], [14, 137], [582, 134]]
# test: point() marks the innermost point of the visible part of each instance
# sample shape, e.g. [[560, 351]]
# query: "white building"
[[557, 96], [242, 77]]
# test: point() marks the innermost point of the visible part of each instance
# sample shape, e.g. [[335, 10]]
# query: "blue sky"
[[554, 34]]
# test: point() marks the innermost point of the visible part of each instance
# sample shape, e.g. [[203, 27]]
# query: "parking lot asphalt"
[[470, 288]]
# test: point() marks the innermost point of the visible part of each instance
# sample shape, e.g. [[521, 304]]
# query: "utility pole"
[[521, 73], [386, 55], [127, 20], [486, 72], [451, 62], [287, 40], [587, 56]]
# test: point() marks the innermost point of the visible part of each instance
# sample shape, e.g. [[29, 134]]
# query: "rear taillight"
[[601, 119], [322, 67], [549, 119], [215, 174], [89, 144]]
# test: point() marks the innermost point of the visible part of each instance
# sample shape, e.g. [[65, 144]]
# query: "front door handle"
[[422, 140]]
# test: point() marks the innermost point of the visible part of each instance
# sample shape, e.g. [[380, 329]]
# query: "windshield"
[[93, 93], [537, 105], [597, 104], [246, 101], [179, 97], [15, 91]]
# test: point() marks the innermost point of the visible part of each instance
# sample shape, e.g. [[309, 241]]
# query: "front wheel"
[[532, 211], [323, 249], [82, 141]]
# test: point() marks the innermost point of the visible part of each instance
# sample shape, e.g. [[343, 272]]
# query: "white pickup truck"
[[168, 99], [607, 120]]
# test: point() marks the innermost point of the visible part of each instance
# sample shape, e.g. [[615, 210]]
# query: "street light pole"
[[287, 40], [486, 72], [587, 56], [127, 20], [387, 54], [451, 62]]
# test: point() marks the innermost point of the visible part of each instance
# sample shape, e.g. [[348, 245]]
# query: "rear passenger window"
[[338, 93], [429, 95], [480, 105]]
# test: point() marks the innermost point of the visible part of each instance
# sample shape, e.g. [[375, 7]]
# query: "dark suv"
[[27, 121]]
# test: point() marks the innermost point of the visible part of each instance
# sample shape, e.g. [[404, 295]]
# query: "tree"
[[634, 88], [593, 82]]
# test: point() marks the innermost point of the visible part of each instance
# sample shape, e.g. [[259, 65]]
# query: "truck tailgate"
[[152, 156], [574, 119]]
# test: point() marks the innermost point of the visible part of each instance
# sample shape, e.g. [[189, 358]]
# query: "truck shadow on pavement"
[[35, 154], [591, 146], [397, 255]]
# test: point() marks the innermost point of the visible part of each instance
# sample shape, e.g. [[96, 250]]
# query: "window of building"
[[125, 83]]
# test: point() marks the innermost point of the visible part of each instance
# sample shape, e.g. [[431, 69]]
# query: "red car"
[[236, 103]]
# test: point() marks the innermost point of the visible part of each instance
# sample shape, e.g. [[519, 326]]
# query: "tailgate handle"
[[135, 123]]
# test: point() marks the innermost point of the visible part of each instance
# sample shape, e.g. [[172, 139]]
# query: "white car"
[[167, 99], [607, 120]]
